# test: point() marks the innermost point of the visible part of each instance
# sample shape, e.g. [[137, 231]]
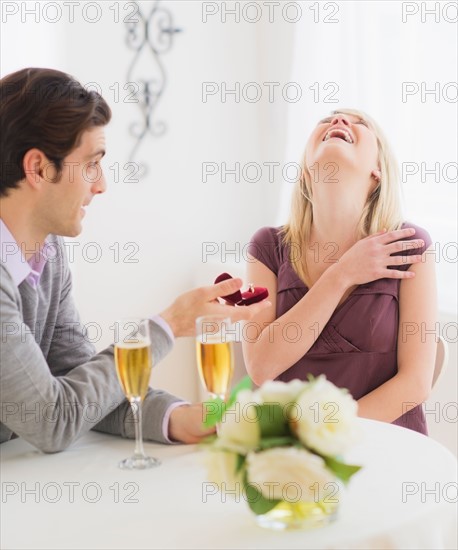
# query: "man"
[[54, 387]]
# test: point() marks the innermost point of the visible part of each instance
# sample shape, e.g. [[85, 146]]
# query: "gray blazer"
[[53, 385]]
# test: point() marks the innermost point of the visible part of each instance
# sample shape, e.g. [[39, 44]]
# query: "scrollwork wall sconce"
[[153, 36]]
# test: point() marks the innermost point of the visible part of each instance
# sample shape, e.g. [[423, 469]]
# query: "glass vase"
[[299, 515]]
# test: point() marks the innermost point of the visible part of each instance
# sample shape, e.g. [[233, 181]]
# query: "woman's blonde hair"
[[382, 208]]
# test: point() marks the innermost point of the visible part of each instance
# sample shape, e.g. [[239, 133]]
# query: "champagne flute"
[[215, 354], [133, 360]]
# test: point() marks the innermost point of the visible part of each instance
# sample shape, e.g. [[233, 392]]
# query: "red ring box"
[[251, 296]]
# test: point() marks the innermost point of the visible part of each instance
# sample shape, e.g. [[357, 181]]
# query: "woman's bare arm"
[[285, 340], [416, 349]]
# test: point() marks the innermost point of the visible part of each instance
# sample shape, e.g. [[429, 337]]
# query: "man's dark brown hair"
[[44, 109]]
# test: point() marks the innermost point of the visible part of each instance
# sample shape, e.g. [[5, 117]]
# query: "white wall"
[[28, 40]]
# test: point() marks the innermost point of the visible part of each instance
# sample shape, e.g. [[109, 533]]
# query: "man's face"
[[64, 202]]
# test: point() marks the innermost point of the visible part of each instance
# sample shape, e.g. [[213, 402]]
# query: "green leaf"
[[272, 420], [257, 503], [244, 384], [341, 470], [240, 463], [213, 411], [282, 441]]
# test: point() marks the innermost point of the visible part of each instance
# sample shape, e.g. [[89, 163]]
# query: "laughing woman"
[[352, 290]]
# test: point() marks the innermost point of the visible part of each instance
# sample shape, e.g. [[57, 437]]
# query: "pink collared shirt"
[[14, 260]]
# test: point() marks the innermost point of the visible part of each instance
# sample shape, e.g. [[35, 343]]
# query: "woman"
[[353, 294]]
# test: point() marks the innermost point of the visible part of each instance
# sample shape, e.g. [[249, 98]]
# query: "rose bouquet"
[[280, 447]]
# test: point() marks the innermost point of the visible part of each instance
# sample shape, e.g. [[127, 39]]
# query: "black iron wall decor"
[[149, 36]]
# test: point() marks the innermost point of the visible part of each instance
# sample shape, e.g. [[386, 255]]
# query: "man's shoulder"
[[9, 292], [6, 280]]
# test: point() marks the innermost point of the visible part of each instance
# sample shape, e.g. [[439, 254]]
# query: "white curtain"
[[371, 52]]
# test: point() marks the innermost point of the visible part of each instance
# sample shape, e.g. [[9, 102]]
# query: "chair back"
[[441, 360]]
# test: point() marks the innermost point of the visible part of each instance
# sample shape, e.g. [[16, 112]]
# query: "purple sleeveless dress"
[[357, 347]]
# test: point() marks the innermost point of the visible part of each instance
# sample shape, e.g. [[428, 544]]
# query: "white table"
[[165, 508]]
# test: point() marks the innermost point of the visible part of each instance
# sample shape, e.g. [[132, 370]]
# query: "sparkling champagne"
[[133, 364], [215, 362]]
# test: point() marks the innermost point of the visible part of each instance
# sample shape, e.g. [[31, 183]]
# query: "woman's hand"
[[369, 258]]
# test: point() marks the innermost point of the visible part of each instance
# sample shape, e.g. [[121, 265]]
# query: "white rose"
[[221, 466], [291, 474], [274, 391], [327, 418], [239, 428]]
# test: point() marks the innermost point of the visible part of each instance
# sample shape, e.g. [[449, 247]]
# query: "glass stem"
[[136, 404]]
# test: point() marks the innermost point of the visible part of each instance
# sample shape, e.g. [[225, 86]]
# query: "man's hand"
[[181, 315], [186, 424]]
